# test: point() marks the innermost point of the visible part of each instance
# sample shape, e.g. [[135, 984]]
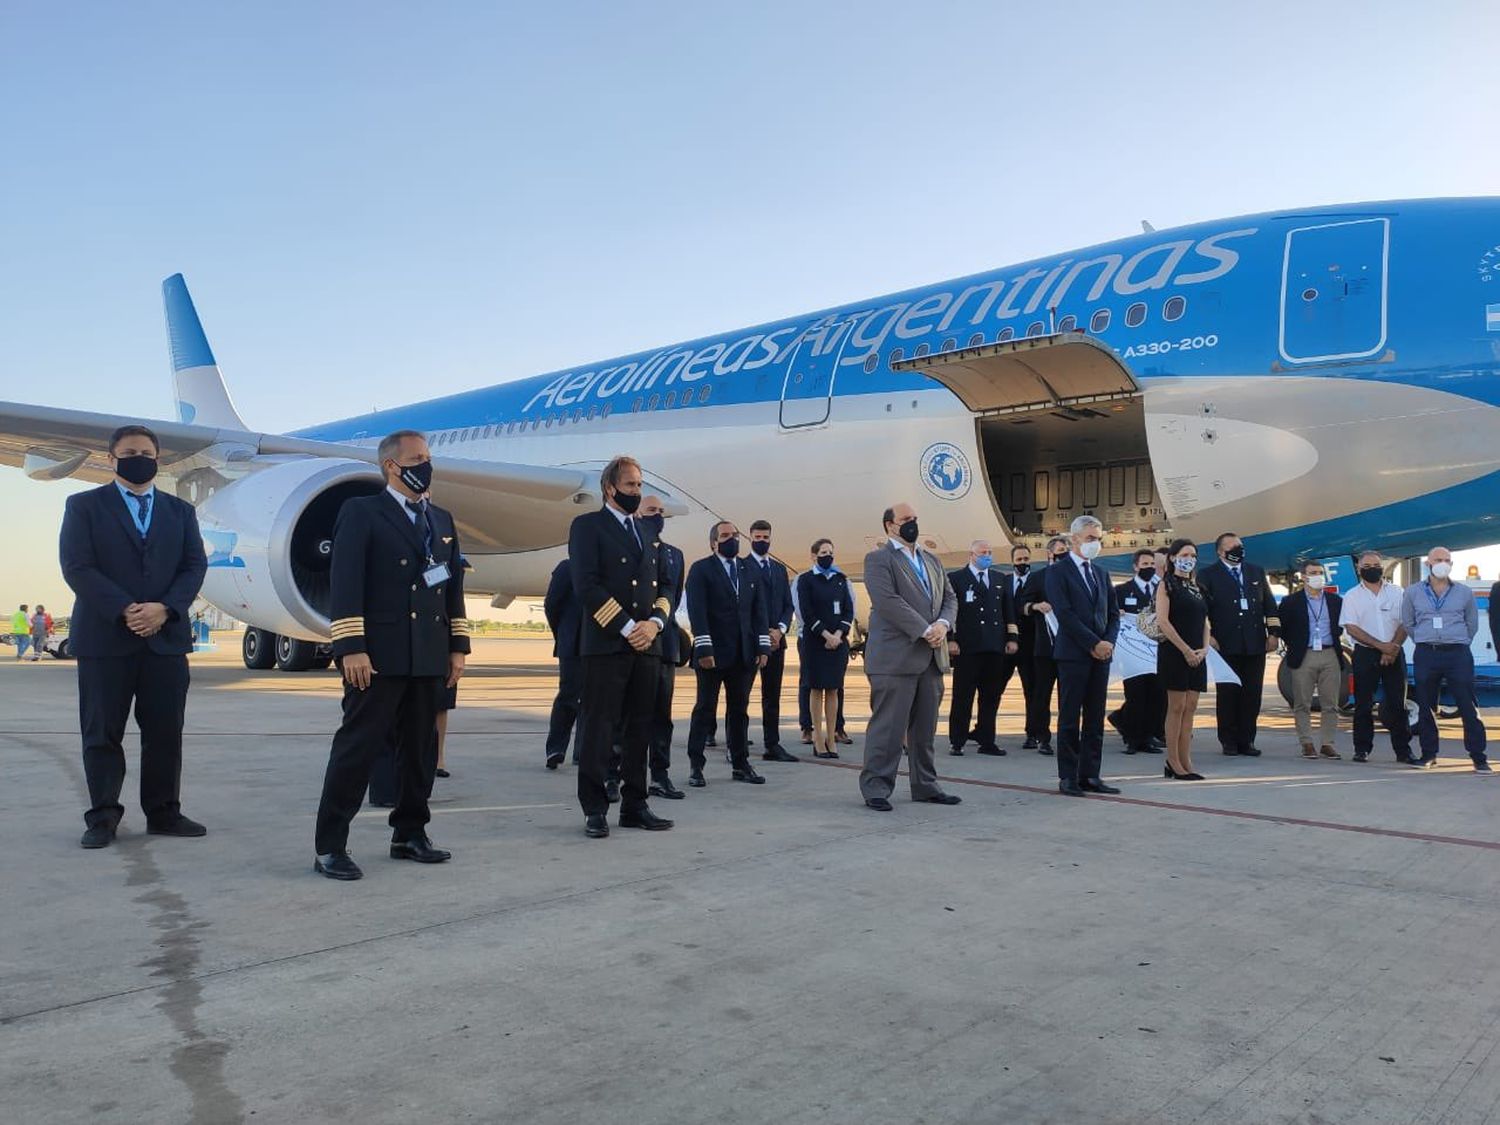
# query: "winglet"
[[202, 397]]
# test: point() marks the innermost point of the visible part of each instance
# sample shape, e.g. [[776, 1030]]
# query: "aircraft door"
[[1333, 291], [807, 388]]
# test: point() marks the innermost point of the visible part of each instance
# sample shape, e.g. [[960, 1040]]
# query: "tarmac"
[[1288, 941]]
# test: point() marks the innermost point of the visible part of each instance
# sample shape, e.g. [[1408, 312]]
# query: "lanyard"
[[1319, 614], [1437, 605]]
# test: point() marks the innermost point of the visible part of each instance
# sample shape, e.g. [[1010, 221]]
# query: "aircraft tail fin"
[[198, 386]]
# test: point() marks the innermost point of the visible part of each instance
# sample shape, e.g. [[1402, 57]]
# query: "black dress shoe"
[[1229, 751], [382, 804], [1070, 789], [554, 760], [1030, 743], [842, 739], [1250, 751], [1129, 748], [644, 818], [956, 752], [1157, 745], [942, 799], [992, 751], [747, 774], [595, 826], [711, 741], [420, 849], [98, 836], [807, 738], [1045, 748], [1094, 785], [663, 787], [879, 804], [612, 791], [695, 780], [440, 773], [779, 754], [337, 865], [178, 825]]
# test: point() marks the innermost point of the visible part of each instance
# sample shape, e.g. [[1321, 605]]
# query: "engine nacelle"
[[269, 541]]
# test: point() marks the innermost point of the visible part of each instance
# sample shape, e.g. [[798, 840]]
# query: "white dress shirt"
[[1377, 614]]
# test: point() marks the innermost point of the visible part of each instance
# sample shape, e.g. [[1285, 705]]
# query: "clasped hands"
[[936, 635], [145, 619], [643, 635]]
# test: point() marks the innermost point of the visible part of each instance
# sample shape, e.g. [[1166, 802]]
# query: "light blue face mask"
[[984, 562]]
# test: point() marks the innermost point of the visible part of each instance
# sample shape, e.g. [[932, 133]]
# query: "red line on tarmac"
[[1267, 818]]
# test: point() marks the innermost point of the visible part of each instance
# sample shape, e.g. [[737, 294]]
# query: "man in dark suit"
[[400, 638], [1018, 665], [1243, 627], [1088, 621], [1312, 631], [652, 515], [1142, 719], [982, 638], [731, 639], [616, 577], [564, 618], [777, 587], [1034, 607], [134, 556]]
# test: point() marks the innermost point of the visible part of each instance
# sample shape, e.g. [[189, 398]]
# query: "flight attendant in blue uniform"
[[825, 606]]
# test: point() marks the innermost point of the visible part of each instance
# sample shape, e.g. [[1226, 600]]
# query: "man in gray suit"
[[906, 653]]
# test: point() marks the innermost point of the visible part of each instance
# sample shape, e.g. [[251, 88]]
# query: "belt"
[[1439, 644]]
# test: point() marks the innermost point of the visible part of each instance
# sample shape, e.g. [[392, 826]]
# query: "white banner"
[[1219, 671], [1135, 654]]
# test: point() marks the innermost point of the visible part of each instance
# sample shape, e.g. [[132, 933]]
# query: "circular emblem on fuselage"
[[945, 471]]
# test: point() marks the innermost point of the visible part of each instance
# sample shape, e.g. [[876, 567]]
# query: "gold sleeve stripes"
[[347, 628], [1273, 623], [459, 627], [663, 605], [607, 612]]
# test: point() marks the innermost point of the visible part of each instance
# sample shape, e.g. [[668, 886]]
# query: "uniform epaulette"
[[346, 628]]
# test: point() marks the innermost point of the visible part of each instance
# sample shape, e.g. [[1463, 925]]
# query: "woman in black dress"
[[1182, 655], [825, 606]]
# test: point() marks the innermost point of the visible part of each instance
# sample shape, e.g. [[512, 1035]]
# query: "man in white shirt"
[[1372, 617]]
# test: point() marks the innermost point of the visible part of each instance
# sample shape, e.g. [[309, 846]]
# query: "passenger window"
[[1090, 488], [1174, 308], [1065, 489], [1005, 334], [1135, 315], [670, 401], [1099, 321], [1034, 328], [897, 355], [578, 415], [653, 402], [1116, 486], [609, 406], [635, 407], [1067, 323], [703, 394], [976, 339], [687, 397], [593, 411], [547, 422], [872, 361], [1040, 487], [949, 344], [922, 349]]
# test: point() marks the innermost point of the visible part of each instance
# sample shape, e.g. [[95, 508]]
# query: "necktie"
[[1088, 577], [143, 502], [984, 580], [1234, 570], [418, 509], [734, 577]]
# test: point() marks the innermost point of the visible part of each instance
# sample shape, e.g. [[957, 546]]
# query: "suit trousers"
[[902, 709], [619, 690], [1017, 664], [804, 708], [1320, 669], [1039, 698], [1391, 678], [661, 719], [736, 681], [1453, 665], [395, 716], [1144, 714], [770, 698], [107, 686], [973, 672], [1082, 688], [1237, 706], [565, 706]]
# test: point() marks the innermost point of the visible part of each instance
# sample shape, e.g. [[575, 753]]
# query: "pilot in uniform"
[[1142, 719], [1246, 625], [982, 637], [400, 637]]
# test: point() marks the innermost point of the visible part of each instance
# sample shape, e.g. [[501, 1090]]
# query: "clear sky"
[[378, 202]]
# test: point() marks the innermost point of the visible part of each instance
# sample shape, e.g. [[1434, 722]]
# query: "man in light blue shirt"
[[1441, 616]]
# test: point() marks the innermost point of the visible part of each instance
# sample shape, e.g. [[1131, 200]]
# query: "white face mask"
[[1316, 581], [1090, 548], [1441, 569], [1184, 564]]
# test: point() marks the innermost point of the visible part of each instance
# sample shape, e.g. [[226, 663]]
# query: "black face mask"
[[729, 548], [418, 478], [825, 561], [908, 531], [136, 468], [761, 546], [655, 523], [627, 502], [1146, 573], [1059, 556], [1372, 573], [1236, 554], [1023, 569]]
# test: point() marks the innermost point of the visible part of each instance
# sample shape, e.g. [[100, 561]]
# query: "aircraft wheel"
[[258, 649]]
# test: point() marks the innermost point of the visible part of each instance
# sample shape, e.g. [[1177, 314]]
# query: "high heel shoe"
[[1190, 777], [1168, 772]]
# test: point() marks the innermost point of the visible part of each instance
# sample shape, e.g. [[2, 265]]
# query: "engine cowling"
[[269, 540]]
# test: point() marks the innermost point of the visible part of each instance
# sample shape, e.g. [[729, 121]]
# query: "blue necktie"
[[1088, 577], [143, 502]]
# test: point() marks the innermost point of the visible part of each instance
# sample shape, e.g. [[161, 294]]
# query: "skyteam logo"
[[946, 472]]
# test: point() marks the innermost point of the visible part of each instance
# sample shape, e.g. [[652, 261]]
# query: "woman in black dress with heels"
[[825, 606], [1182, 655]]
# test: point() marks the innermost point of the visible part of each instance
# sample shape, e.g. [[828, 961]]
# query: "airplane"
[[1318, 381]]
